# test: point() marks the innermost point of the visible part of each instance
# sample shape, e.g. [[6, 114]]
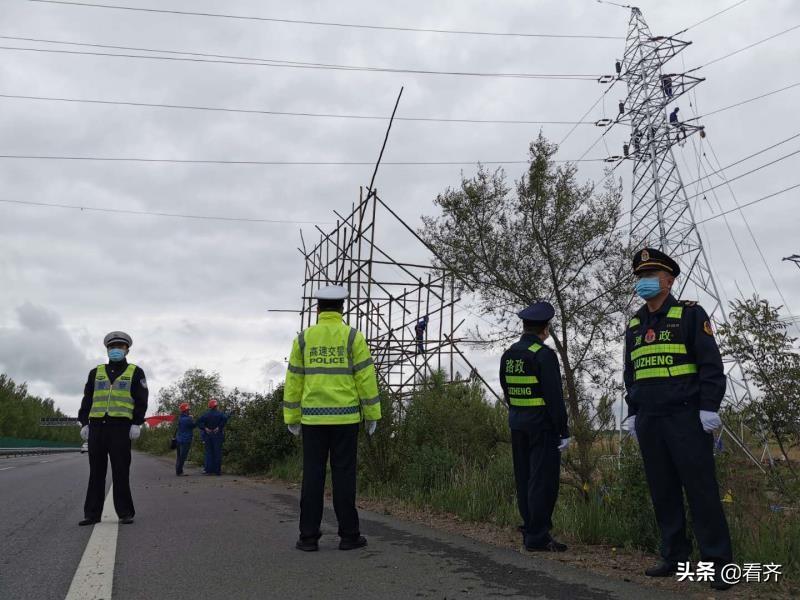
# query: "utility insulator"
[[621, 107], [625, 150], [603, 122], [618, 67], [605, 79]]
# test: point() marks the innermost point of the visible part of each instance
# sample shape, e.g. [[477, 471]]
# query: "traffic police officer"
[[330, 384], [111, 414], [674, 382], [537, 415]]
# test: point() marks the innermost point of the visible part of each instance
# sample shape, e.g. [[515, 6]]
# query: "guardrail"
[[9, 452]]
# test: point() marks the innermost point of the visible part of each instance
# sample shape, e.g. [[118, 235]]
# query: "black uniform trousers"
[[341, 443], [679, 455], [537, 468], [109, 441]]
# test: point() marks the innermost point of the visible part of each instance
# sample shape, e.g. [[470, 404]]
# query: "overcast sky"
[[195, 293]]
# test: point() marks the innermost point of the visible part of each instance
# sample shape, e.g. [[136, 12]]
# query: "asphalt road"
[[229, 537]]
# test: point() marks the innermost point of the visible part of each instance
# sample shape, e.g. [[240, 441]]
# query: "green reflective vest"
[[522, 385], [112, 399], [331, 377], [660, 354]]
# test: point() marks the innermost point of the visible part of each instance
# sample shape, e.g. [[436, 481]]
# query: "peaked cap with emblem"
[[332, 293], [650, 259], [538, 312]]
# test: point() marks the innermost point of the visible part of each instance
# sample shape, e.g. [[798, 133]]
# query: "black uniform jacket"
[[138, 392], [553, 415], [703, 391]]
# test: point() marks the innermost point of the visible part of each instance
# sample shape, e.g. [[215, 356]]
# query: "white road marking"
[[43, 461], [94, 577], [7, 468]]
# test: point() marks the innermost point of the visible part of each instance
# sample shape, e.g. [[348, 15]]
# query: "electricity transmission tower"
[[661, 215]]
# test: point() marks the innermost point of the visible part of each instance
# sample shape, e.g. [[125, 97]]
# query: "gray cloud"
[[196, 293]]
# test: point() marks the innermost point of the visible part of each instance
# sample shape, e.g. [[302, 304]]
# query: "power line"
[[719, 110], [261, 62], [329, 23], [161, 214], [273, 162], [746, 204], [735, 52], [750, 172], [716, 14], [286, 113]]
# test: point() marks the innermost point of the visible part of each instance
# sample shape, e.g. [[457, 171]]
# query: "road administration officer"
[[212, 423], [531, 381], [183, 437], [111, 414], [674, 382], [330, 383]]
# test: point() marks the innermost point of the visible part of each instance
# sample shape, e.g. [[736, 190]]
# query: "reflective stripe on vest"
[[521, 390], [662, 360], [112, 399]]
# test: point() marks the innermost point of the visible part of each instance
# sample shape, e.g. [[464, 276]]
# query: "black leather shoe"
[[307, 546], [662, 569], [125, 520], [550, 546], [86, 522], [359, 542]]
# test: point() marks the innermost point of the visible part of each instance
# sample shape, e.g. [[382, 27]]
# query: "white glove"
[[135, 432], [85, 433], [710, 420], [629, 426], [564, 444], [370, 426], [294, 429]]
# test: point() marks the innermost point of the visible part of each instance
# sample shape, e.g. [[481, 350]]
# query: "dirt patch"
[[611, 562]]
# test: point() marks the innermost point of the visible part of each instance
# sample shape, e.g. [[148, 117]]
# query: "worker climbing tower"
[[661, 215]]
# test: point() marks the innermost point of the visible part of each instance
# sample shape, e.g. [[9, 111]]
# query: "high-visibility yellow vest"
[[331, 377], [658, 354], [112, 399], [522, 384]]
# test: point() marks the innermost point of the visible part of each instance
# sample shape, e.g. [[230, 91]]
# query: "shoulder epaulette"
[[689, 302]]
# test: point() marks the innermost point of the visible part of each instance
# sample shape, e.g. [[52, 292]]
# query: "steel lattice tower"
[[661, 215]]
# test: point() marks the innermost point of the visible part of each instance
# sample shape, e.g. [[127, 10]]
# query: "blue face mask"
[[116, 354], [648, 287]]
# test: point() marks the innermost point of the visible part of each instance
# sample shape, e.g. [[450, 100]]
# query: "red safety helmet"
[[213, 403], [184, 407]]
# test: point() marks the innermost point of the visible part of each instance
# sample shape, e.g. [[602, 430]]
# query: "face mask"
[[116, 354], [647, 288]]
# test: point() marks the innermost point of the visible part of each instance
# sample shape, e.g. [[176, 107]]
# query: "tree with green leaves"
[[550, 238], [759, 340]]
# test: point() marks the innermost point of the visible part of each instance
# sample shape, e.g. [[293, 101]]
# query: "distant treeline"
[[20, 413]]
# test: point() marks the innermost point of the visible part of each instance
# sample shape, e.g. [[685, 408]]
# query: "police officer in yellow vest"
[[111, 414], [674, 382], [531, 381], [330, 387]]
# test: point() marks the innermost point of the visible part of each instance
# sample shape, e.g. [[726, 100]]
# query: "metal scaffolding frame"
[[388, 298], [661, 215]]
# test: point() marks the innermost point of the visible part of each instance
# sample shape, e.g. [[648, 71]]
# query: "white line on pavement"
[[94, 577], [7, 468]]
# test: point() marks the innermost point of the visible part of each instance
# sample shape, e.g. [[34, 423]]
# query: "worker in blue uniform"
[[675, 382], [531, 380], [212, 423], [183, 437], [419, 331]]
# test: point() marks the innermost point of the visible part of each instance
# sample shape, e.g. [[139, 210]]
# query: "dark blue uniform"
[[673, 369], [531, 378], [212, 422], [183, 437]]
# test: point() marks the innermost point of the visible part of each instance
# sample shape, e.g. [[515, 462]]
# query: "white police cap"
[[332, 292], [117, 336]]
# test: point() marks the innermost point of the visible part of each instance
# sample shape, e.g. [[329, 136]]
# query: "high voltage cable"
[[766, 39], [258, 62], [161, 214], [288, 113], [716, 14], [746, 204], [275, 162], [754, 98], [328, 23]]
